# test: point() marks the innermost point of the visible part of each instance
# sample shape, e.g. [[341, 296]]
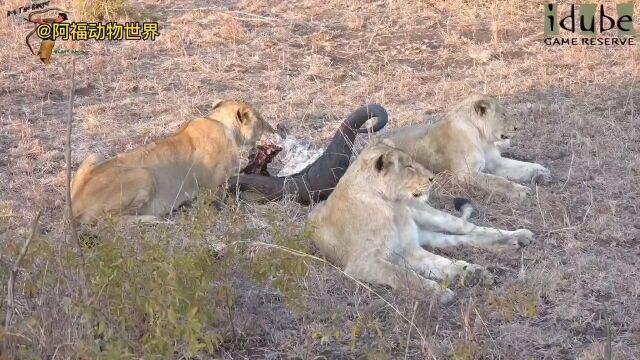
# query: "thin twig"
[[495, 346], [521, 274], [256, 16], [544, 222], [586, 213], [570, 163], [607, 347], [173, 205], [194, 9], [70, 220], [230, 313], [413, 316], [252, 17], [14, 270]]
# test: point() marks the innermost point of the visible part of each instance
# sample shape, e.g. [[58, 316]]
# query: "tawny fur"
[[376, 221], [468, 142], [154, 179]]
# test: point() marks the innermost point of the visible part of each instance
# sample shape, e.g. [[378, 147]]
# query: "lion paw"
[[474, 274], [521, 238], [542, 176], [521, 192], [446, 296]]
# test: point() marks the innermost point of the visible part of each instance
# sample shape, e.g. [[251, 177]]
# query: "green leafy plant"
[[151, 300], [283, 265]]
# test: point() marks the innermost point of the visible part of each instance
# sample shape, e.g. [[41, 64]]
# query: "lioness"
[[467, 142], [157, 178], [376, 221]]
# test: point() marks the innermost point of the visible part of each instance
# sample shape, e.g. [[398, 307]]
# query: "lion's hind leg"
[[137, 189], [118, 192], [497, 184], [380, 271], [432, 239]]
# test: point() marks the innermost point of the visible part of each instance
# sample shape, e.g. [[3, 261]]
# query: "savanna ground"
[[176, 290]]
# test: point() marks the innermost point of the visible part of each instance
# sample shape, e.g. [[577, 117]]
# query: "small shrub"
[[151, 300], [284, 269], [154, 291], [232, 30], [514, 304], [101, 10], [464, 351]]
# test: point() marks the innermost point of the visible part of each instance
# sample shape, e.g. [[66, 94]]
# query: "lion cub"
[[155, 179], [376, 221], [467, 142]]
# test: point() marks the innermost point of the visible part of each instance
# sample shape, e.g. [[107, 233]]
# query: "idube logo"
[[592, 22]]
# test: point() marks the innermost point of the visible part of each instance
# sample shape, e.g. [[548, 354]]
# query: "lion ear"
[[481, 107], [388, 142], [380, 163], [384, 161], [240, 116], [245, 115], [217, 103]]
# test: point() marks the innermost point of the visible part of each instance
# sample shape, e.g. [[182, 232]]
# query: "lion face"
[[505, 126], [243, 116], [488, 116], [398, 175]]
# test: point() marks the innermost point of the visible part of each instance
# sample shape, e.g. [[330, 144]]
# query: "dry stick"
[[607, 347], [14, 270], [413, 316], [252, 17], [570, 164], [67, 151], [181, 186], [544, 223], [256, 16], [495, 346], [230, 314]]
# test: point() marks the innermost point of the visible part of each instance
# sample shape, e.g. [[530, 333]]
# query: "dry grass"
[[307, 64]]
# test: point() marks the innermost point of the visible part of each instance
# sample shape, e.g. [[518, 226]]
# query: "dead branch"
[[69, 212], [607, 346], [14, 270]]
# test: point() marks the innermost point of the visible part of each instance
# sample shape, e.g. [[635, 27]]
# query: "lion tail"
[[464, 206]]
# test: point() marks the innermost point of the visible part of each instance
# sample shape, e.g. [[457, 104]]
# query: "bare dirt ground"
[[307, 64]]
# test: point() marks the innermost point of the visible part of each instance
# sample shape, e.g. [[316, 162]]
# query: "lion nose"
[[515, 128], [503, 136], [430, 179]]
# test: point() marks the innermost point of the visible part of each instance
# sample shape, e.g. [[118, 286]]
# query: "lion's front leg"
[[380, 271], [516, 170], [443, 269], [439, 229], [430, 219], [433, 220]]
